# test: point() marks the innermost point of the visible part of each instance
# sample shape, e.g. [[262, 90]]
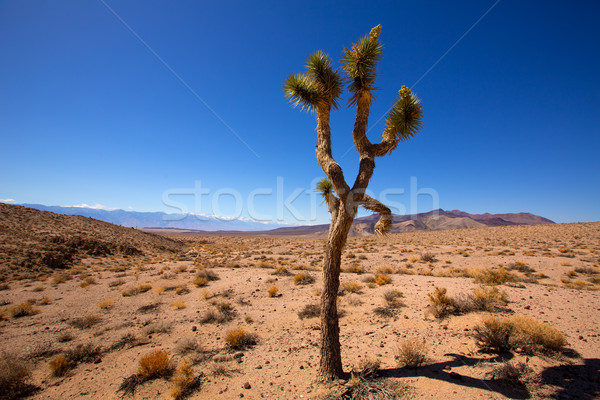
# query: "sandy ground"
[[282, 364]]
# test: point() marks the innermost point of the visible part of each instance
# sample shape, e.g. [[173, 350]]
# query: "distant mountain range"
[[432, 220], [136, 219]]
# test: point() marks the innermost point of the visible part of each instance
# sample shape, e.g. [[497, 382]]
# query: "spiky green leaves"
[[301, 91], [321, 85], [360, 64], [325, 189], [405, 118]]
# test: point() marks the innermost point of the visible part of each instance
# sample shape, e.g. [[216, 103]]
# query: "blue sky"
[[90, 115]]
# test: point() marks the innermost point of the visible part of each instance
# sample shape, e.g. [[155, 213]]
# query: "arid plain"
[[235, 317]]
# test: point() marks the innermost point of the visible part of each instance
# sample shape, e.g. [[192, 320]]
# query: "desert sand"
[[122, 307]]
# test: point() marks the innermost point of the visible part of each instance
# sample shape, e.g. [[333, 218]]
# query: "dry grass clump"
[[310, 311], [519, 333], [155, 365], [106, 304], [238, 338], [494, 276], [427, 258], [157, 327], [440, 304], [200, 281], [273, 291], [353, 268], [411, 352], [303, 278], [223, 312], [481, 299], [183, 380], [82, 353], [352, 287], [23, 310], [487, 299], [85, 322], [384, 269], [365, 384], [178, 305], [14, 374], [60, 365], [283, 271], [393, 297], [383, 279], [208, 275], [517, 374]]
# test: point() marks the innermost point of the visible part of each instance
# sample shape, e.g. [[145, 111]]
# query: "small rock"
[[194, 328], [247, 385]]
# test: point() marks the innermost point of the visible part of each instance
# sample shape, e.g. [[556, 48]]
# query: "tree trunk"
[[330, 367]]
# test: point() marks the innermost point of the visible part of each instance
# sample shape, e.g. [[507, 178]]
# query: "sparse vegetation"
[[14, 376], [309, 311], [412, 352], [155, 365], [273, 291], [85, 322], [238, 338], [303, 278], [519, 333]]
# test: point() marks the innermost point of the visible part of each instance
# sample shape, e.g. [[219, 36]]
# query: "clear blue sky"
[[89, 114]]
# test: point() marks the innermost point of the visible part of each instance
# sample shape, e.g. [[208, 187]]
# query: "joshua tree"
[[319, 90]]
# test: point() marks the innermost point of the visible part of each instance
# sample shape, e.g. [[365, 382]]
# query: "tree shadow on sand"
[[573, 381], [441, 371], [579, 381]]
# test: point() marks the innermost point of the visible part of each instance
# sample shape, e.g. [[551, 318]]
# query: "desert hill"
[[39, 240]]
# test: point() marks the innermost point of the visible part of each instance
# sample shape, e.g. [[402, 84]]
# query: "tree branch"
[[331, 168], [385, 215]]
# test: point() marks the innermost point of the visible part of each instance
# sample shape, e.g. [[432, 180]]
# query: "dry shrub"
[[440, 304], [60, 365], [283, 271], [144, 288], [183, 380], [354, 269], [82, 353], [64, 337], [487, 299], [208, 275], [532, 336], [155, 365], [224, 312], [238, 338], [369, 279], [303, 278], [273, 291], [200, 281], [85, 322], [494, 276], [188, 345], [23, 310], [178, 305], [157, 327], [384, 269], [520, 333], [310, 311], [428, 257], [383, 279], [352, 287], [392, 298], [14, 374], [411, 352], [106, 304]]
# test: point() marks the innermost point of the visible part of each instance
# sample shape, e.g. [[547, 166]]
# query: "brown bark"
[[330, 367]]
